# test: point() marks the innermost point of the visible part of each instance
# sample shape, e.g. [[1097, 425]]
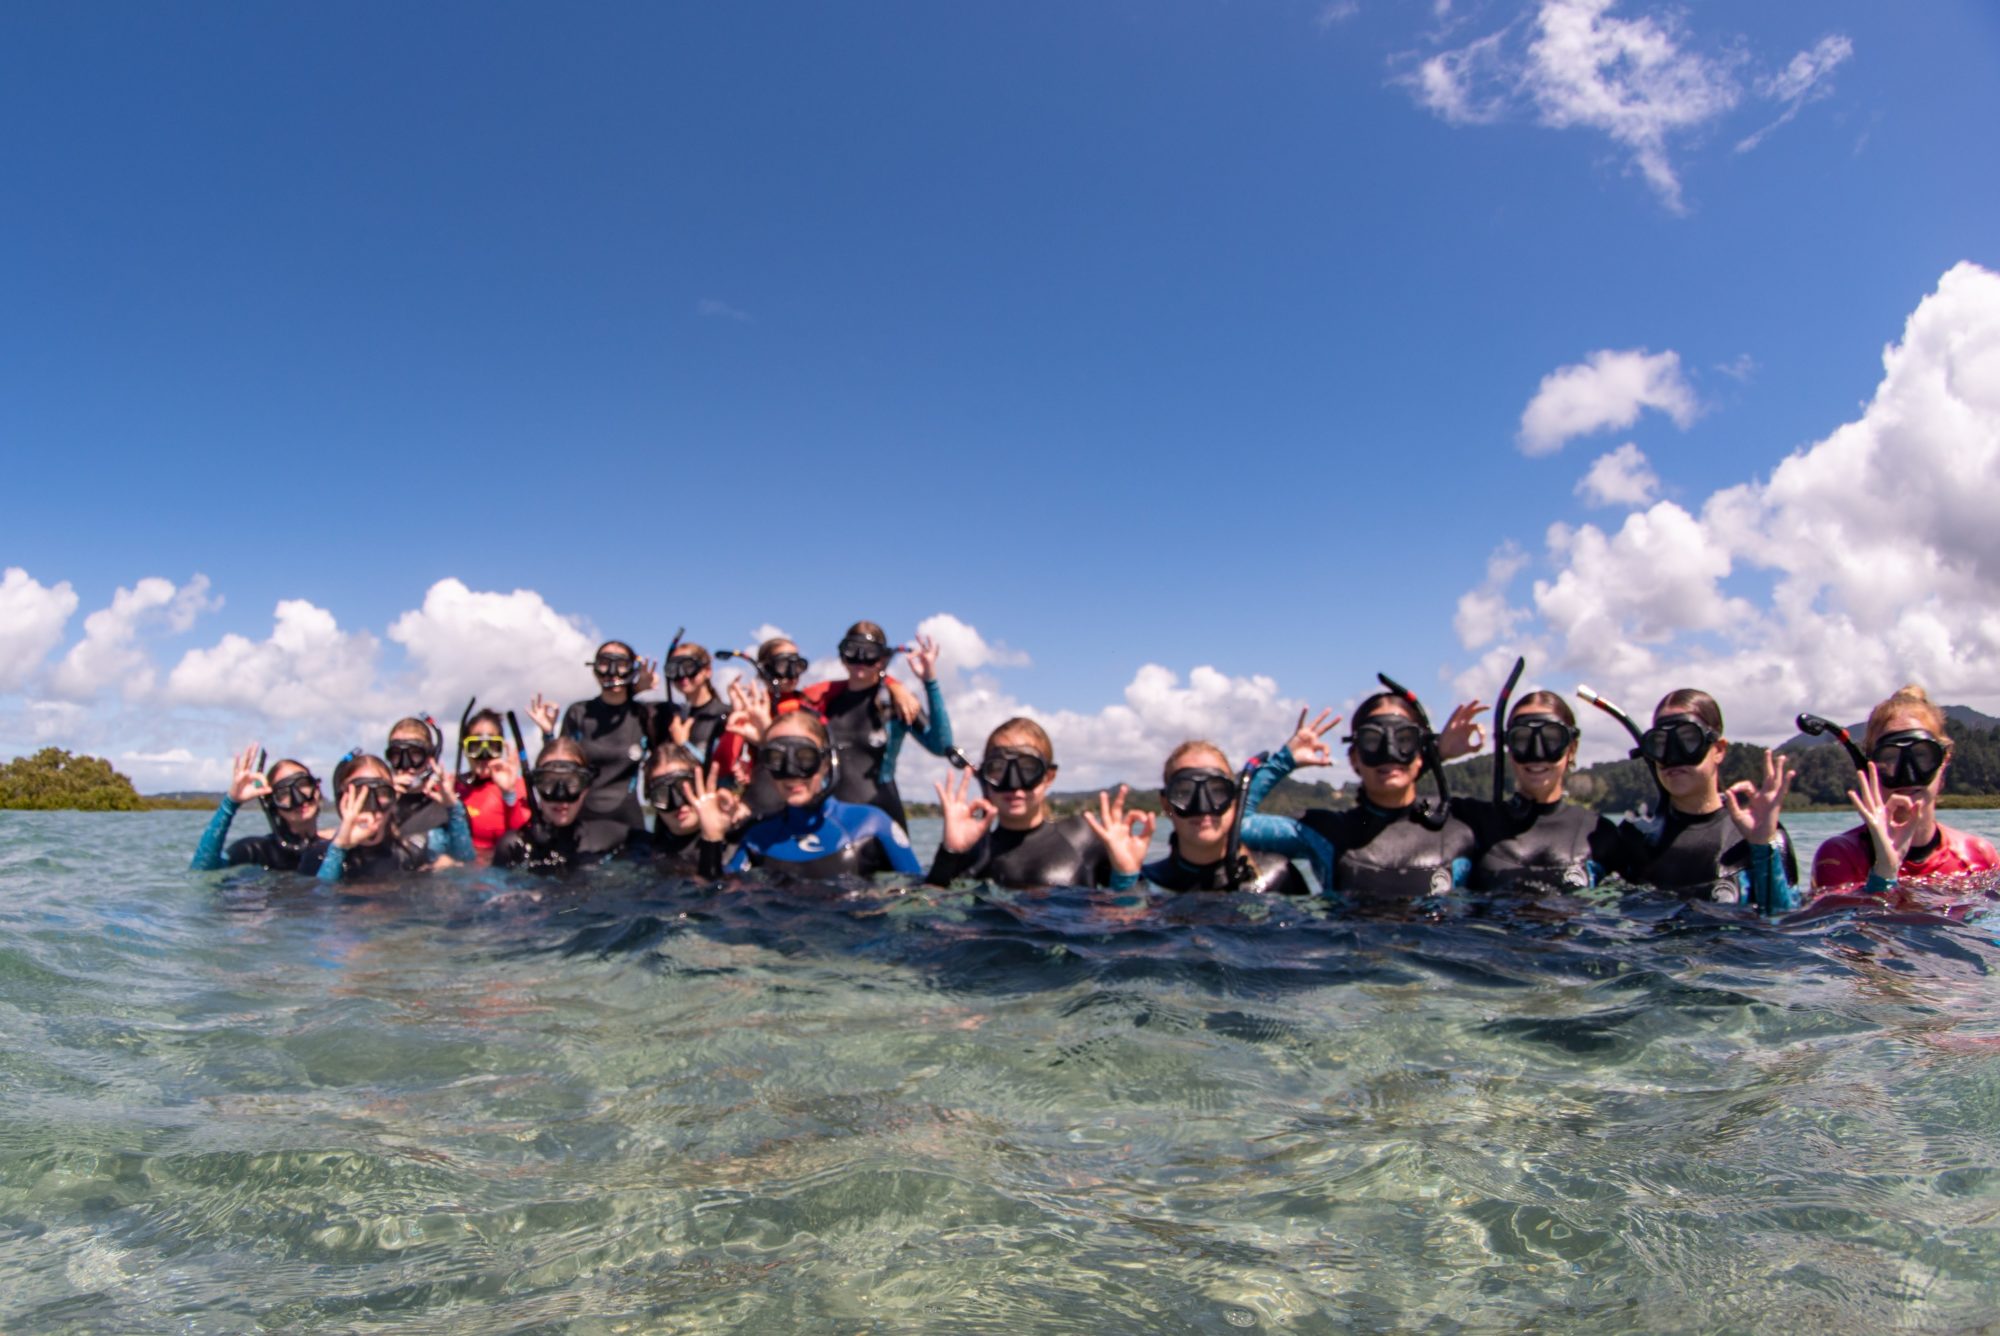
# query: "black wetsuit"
[[419, 814], [539, 847], [1270, 874], [1055, 853], [1697, 857], [614, 739], [709, 719], [860, 736], [684, 855], [280, 853], [1537, 846], [1388, 855]]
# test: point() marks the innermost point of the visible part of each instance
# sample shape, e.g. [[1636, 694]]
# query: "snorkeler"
[[1707, 842], [870, 714], [675, 787], [416, 759], [290, 797], [492, 787], [1907, 750], [753, 706], [815, 834], [1533, 839], [1388, 849], [557, 838], [369, 842], [698, 723], [614, 730], [1199, 794], [1006, 835]]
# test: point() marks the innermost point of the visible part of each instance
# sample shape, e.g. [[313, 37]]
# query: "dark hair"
[[769, 648], [1384, 702], [814, 725], [562, 749], [670, 756], [488, 717], [868, 631], [687, 649], [630, 653], [271, 775], [1544, 702], [1689, 701]]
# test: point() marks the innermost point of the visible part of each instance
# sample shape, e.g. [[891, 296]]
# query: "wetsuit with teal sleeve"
[[868, 736], [1054, 853], [539, 847], [452, 840], [1526, 845], [1705, 857], [1264, 873], [280, 850], [614, 739], [1367, 854], [827, 838]]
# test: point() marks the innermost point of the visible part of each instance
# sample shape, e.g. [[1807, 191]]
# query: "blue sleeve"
[[935, 735], [1123, 881], [1267, 777], [740, 860], [1771, 891], [895, 842], [208, 851], [1461, 873], [331, 865], [1293, 839], [454, 838]]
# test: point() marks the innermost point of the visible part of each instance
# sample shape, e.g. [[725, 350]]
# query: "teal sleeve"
[[1293, 839], [1461, 873], [454, 839], [1771, 891], [330, 867], [1876, 885], [1267, 777], [1123, 881], [935, 735], [208, 852]]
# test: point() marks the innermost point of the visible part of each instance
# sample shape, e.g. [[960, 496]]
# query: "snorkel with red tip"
[[1817, 727], [1638, 735]]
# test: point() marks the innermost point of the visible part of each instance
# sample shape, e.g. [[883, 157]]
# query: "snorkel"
[[1638, 734], [1234, 863], [1500, 732], [672, 645], [521, 749], [1433, 759], [464, 721], [1817, 727]]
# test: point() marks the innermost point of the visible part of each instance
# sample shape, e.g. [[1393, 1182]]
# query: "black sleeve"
[[252, 851], [511, 851], [947, 867], [709, 858], [1604, 845]]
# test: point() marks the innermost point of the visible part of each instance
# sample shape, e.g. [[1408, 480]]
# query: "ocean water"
[[232, 1103]]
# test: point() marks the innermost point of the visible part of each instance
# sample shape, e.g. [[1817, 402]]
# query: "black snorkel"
[[521, 749], [1817, 727], [1434, 817], [1500, 732], [672, 645], [1235, 865], [463, 720], [1638, 737]]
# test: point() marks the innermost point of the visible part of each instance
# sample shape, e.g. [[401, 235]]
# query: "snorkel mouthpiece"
[[1815, 726]]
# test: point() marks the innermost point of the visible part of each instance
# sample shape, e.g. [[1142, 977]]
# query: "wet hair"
[[1023, 732], [769, 648], [687, 649], [630, 653], [1177, 758], [411, 727], [1909, 699], [562, 749], [354, 765], [1384, 702], [1689, 701], [670, 756], [812, 722], [271, 775], [487, 717], [867, 630], [1548, 702]]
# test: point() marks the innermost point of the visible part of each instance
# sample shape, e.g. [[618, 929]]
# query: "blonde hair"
[[1909, 699], [1018, 731], [1191, 747]]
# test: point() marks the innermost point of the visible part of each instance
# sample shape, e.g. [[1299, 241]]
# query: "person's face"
[[483, 747], [613, 667], [1539, 776], [694, 682], [289, 780], [797, 742], [1923, 797], [1200, 778], [381, 788], [1693, 780], [1015, 804], [783, 676], [683, 819], [1386, 777], [410, 759], [560, 789], [1541, 781]]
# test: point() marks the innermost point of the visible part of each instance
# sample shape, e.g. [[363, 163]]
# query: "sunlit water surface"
[[233, 1103]]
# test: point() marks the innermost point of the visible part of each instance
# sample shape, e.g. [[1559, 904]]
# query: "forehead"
[[792, 724], [285, 769], [1199, 758], [484, 726]]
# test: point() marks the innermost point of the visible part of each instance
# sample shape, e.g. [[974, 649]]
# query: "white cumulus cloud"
[[1607, 389], [1620, 478], [503, 647], [32, 618], [108, 655], [307, 669]]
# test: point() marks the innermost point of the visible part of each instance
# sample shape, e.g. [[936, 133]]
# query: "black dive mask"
[[614, 670], [1675, 740], [1198, 791], [1387, 739], [680, 667], [378, 795], [784, 665], [560, 782], [1909, 759], [791, 758], [1539, 737], [669, 792], [1012, 770], [408, 758], [294, 791], [863, 651]]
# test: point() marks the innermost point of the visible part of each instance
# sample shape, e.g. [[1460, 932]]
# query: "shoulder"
[[819, 693], [1842, 848]]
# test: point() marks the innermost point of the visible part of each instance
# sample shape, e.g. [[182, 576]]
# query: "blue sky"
[[1170, 333]]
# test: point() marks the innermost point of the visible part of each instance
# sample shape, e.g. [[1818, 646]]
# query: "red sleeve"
[[816, 695], [1841, 861]]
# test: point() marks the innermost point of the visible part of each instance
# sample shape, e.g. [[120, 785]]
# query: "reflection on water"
[[620, 1105]]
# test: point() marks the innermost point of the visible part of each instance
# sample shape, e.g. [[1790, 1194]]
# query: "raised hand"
[[543, 712], [680, 729], [505, 772], [1308, 741], [645, 676], [966, 820], [923, 657], [1891, 820], [439, 787], [357, 824], [749, 711], [246, 781], [716, 806], [1462, 734], [1755, 808], [1126, 835]]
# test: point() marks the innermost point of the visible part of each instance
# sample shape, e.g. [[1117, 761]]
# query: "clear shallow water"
[[232, 1104]]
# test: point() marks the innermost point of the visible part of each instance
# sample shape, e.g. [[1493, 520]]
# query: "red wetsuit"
[[1843, 861], [489, 812]]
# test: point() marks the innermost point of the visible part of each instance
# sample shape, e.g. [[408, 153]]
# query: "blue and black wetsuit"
[[868, 735], [1267, 873], [1526, 846], [410, 852], [1054, 853], [827, 838], [1367, 855], [1706, 858], [280, 850]]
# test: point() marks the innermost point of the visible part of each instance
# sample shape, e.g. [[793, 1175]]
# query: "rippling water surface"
[[483, 1104]]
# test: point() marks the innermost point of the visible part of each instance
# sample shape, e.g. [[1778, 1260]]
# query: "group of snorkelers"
[[774, 774]]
